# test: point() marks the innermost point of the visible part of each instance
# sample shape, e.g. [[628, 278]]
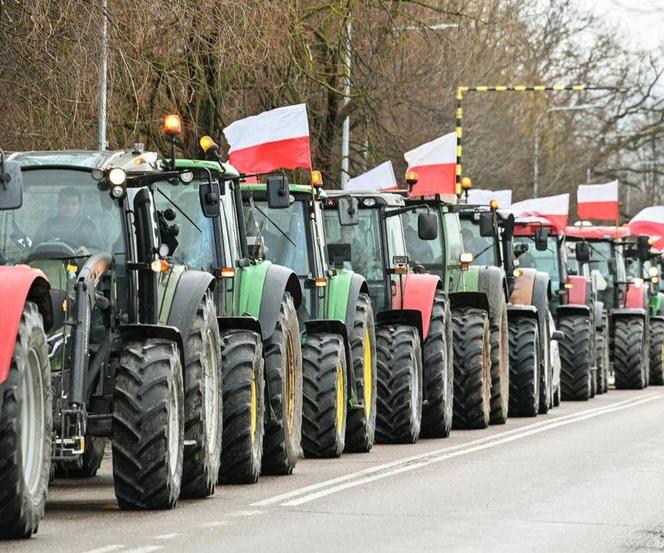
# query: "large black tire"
[[399, 360], [283, 369], [244, 407], [629, 353], [325, 391], [438, 372], [525, 365], [472, 368], [656, 352], [361, 423], [24, 472], [575, 358], [602, 345], [500, 368], [90, 461], [203, 409], [546, 371], [148, 425]]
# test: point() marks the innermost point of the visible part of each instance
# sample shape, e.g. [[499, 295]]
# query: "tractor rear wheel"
[[202, 403], [602, 344], [361, 423], [472, 368], [656, 352], [575, 358], [283, 370], [399, 360], [500, 368], [325, 389], [629, 353], [25, 430], [91, 460], [244, 407], [148, 425], [525, 366]]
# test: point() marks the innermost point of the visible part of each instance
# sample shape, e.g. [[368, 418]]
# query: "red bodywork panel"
[[528, 226], [599, 232], [418, 294], [635, 298], [15, 285], [577, 291]]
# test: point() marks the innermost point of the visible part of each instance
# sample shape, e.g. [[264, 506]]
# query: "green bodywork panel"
[[656, 301], [251, 282], [168, 283], [338, 289]]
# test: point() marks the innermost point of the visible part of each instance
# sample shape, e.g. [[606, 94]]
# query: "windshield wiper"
[[176, 206], [275, 225]]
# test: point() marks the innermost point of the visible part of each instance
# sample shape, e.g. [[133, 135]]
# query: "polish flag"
[[598, 201], [553, 209], [380, 177], [648, 221], [275, 139], [434, 163], [483, 197]]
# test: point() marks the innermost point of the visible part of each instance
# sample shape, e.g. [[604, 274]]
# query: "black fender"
[[188, 294], [141, 332], [478, 300], [491, 281], [574, 309], [657, 318], [239, 323], [410, 317], [518, 311], [628, 312], [358, 285], [278, 280]]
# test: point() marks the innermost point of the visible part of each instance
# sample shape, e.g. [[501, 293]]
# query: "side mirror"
[[557, 336], [11, 185], [338, 254], [277, 192], [508, 227], [541, 239], [582, 252], [208, 193], [520, 249], [348, 211], [486, 224], [427, 226], [642, 248]]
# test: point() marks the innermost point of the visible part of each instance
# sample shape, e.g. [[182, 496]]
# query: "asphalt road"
[[586, 477]]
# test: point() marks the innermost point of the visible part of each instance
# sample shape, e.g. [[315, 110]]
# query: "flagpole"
[[345, 134]]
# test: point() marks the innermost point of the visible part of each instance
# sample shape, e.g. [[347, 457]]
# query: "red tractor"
[[25, 383]]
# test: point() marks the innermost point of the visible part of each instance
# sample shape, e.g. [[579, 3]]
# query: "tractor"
[[25, 374], [478, 301], [534, 380], [576, 310], [412, 314], [336, 316], [134, 344]]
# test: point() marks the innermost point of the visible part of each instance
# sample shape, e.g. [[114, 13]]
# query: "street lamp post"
[[103, 74]]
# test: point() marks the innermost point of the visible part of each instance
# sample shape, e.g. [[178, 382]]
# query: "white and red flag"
[[598, 201], [435, 165], [275, 139], [380, 177], [483, 197], [648, 221], [554, 209]]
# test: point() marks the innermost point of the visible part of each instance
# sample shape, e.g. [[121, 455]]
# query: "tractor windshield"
[[482, 247], [283, 234], [547, 260], [428, 253]]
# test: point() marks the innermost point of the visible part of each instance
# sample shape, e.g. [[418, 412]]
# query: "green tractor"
[[134, 344], [534, 374], [478, 297], [336, 316]]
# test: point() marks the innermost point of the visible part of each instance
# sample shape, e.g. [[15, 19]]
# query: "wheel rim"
[[173, 429], [32, 421], [290, 381], [341, 403], [211, 377], [254, 409], [368, 374]]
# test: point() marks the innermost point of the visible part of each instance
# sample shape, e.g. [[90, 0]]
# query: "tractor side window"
[[547, 261], [230, 230], [453, 237], [395, 240]]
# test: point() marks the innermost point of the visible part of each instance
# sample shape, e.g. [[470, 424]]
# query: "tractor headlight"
[[653, 271], [117, 176]]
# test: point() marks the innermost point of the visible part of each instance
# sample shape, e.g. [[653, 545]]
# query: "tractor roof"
[[381, 198], [526, 226], [293, 188], [92, 159], [590, 232], [204, 164]]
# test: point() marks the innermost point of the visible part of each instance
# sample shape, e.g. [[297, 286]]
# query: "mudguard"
[[637, 295], [524, 286], [410, 317], [478, 300], [516, 311], [141, 332], [344, 289], [189, 291], [573, 309], [493, 283], [628, 312], [239, 323], [418, 295], [19, 284], [278, 280]]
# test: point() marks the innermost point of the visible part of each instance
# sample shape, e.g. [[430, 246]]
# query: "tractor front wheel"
[[657, 352], [629, 353], [575, 357], [602, 344], [500, 372], [525, 366], [90, 461]]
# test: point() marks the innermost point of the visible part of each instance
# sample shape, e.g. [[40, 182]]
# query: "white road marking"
[[371, 471], [500, 440], [166, 537], [145, 549], [105, 549]]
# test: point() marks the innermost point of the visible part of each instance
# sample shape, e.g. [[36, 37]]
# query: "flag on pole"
[[648, 221], [483, 197], [554, 209], [598, 201], [378, 178], [434, 163], [275, 139]]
